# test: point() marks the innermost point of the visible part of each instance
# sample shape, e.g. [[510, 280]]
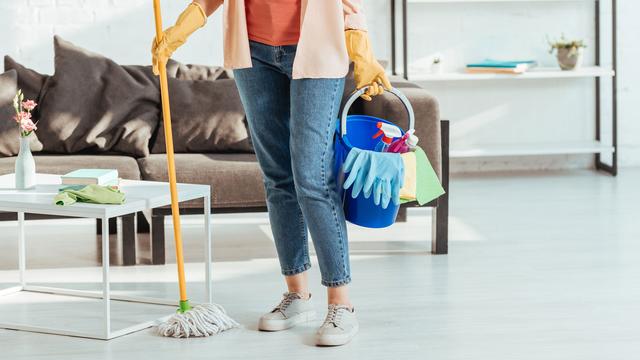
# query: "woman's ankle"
[[304, 295], [346, 303], [339, 296], [298, 284]]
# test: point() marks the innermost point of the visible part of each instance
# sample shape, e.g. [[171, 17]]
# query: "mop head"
[[201, 320]]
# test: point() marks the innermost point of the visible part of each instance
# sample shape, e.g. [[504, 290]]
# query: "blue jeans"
[[292, 124]]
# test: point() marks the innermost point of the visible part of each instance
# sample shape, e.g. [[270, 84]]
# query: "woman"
[[290, 58]]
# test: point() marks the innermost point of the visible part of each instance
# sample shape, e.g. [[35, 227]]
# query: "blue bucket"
[[360, 129]]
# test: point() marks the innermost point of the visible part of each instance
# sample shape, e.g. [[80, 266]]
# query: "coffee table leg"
[[22, 258], [208, 257], [105, 278], [129, 239]]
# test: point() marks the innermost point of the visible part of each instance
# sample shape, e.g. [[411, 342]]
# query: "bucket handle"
[[356, 94]]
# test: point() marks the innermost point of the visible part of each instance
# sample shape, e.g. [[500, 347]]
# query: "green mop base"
[[184, 307]]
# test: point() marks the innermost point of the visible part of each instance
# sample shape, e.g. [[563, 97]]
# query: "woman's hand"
[[193, 18], [367, 70]]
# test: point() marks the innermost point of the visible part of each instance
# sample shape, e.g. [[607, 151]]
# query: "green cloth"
[[428, 185], [94, 194]]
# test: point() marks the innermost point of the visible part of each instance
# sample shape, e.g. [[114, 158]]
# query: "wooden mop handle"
[[168, 135]]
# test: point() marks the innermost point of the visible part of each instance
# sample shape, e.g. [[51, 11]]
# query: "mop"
[[203, 319]]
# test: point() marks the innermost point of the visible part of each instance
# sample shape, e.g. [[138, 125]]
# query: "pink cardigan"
[[321, 52]]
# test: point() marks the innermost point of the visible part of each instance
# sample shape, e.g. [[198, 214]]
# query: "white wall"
[[481, 113], [120, 29]]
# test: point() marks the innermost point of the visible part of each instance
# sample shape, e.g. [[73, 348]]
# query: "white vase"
[[25, 166]]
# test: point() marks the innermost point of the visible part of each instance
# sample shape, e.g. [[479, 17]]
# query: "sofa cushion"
[[57, 164], [235, 179], [30, 81], [207, 117], [91, 104], [9, 132], [181, 71], [399, 82]]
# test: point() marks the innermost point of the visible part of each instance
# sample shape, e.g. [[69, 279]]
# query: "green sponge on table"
[[428, 187], [427, 184], [94, 194]]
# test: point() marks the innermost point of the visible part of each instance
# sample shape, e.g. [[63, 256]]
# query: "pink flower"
[[22, 117], [28, 126], [29, 105], [24, 121]]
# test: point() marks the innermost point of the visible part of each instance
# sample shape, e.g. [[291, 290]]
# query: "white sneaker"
[[292, 310], [338, 328]]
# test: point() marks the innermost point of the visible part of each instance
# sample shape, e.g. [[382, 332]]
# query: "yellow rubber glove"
[[367, 70], [188, 22]]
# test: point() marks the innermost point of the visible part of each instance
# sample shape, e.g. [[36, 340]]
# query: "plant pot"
[[25, 166], [569, 59]]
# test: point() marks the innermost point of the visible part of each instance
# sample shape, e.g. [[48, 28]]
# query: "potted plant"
[[568, 52], [25, 165]]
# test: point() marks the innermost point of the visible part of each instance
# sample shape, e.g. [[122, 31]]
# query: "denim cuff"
[[297, 270], [337, 283]]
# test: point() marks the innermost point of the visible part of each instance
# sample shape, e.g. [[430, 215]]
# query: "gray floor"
[[541, 266]]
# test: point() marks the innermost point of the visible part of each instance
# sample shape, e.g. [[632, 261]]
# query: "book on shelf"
[[501, 67], [91, 176]]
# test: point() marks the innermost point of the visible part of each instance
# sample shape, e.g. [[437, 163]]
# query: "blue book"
[[512, 64], [91, 176]]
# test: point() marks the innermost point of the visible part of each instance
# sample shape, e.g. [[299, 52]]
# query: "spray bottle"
[[406, 143], [388, 132]]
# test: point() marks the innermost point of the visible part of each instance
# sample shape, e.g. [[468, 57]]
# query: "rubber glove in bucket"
[[377, 173]]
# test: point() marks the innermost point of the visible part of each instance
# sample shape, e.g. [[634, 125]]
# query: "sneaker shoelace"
[[334, 315], [287, 299]]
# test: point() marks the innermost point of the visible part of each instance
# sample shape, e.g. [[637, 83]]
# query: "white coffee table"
[[140, 196]]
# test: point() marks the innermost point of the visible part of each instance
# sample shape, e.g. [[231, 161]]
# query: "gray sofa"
[[234, 176]]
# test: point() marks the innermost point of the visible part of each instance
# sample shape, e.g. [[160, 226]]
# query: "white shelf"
[[541, 148], [536, 73], [558, 148]]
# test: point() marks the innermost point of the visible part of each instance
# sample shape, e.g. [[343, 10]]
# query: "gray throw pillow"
[[93, 105], [9, 132], [206, 117], [29, 81]]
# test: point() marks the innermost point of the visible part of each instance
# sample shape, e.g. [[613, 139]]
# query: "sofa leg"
[[8, 216], [440, 235], [142, 224], [402, 215], [113, 226], [157, 239], [129, 240]]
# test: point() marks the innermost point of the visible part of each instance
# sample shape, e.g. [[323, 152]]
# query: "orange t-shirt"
[[273, 22]]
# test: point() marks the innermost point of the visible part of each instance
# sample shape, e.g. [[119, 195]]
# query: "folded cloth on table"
[[94, 194], [428, 185]]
